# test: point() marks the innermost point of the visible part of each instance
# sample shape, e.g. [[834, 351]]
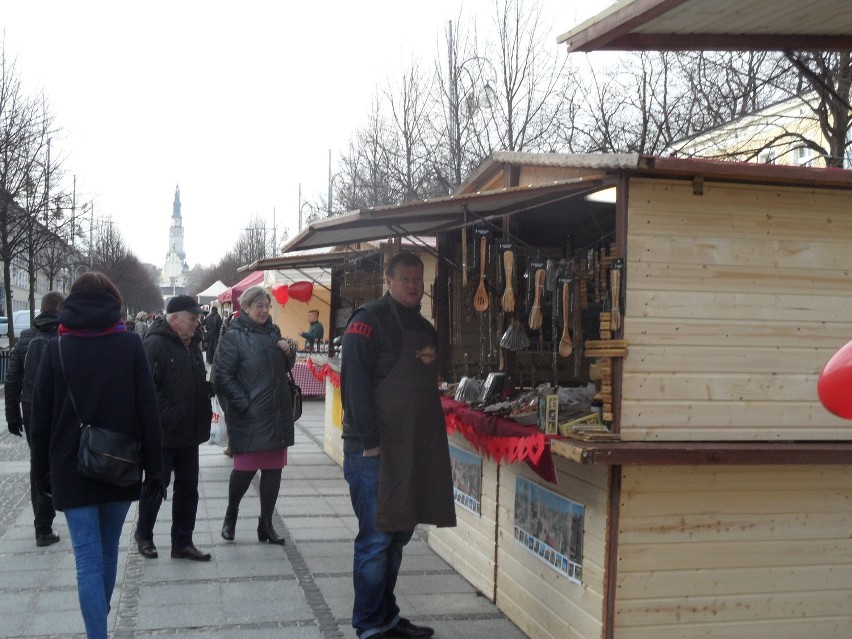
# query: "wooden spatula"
[[565, 346], [480, 299], [535, 312], [508, 300]]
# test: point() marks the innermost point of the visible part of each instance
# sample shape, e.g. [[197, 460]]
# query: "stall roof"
[[429, 217], [322, 257], [688, 25], [232, 293]]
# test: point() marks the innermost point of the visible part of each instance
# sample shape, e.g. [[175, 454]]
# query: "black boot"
[[265, 531], [230, 525]]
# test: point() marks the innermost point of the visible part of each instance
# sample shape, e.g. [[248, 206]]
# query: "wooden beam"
[[600, 32], [719, 42], [704, 453]]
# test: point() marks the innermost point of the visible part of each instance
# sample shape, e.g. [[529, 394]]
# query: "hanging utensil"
[[535, 313], [508, 301], [480, 299], [464, 256], [565, 345], [615, 294]]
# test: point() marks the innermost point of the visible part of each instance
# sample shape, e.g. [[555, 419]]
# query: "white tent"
[[210, 294]]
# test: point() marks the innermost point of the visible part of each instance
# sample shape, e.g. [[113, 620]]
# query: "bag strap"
[[67, 384]]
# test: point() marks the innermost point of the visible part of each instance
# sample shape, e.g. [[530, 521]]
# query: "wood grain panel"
[[784, 306], [734, 551], [719, 386]]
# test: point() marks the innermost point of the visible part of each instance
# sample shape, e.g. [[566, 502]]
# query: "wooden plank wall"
[[735, 551], [735, 300], [543, 603], [470, 547]]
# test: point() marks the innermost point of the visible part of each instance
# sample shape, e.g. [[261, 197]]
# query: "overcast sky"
[[237, 102]]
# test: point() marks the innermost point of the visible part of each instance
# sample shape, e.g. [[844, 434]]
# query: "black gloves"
[[17, 429], [155, 490]]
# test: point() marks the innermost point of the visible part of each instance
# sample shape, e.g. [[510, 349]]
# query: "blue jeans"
[[95, 533], [378, 553]]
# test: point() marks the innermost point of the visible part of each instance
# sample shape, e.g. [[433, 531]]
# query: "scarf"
[[118, 327]]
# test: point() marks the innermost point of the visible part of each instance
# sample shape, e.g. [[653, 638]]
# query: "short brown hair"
[[95, 281], [51, 303], [406, 259]]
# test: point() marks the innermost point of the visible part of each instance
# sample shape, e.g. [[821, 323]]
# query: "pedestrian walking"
[[20, 379], [251, 375], [213, 326], [110, 387], [172, 345]]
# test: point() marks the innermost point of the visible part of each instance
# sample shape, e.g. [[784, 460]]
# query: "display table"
[[309, 383]]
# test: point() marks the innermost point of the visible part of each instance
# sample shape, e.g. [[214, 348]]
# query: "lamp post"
[[471, 98]]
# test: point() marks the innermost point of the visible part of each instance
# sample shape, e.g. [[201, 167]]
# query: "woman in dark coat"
[[251, 375], [112, 388]]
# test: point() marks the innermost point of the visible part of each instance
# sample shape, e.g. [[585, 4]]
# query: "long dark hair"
[[95, 281]]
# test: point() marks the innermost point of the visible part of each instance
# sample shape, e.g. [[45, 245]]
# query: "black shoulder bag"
[[295, 396], [104, 455]]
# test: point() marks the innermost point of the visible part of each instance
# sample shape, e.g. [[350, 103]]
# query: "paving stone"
[[249, 590]]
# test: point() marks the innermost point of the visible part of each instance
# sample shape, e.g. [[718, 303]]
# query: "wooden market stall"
[[712, 498]]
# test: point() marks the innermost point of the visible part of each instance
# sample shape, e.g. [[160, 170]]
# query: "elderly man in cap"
[[173, 346]]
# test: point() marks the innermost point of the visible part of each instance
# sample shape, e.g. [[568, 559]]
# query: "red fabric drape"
[[503, 440]]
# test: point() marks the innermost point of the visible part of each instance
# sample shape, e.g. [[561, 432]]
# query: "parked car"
[[21, 320]]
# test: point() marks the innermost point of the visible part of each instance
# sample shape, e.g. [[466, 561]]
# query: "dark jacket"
[[113, 388], [313, 335], [372, 341], [251, 374], [183, 393], [19, 386]]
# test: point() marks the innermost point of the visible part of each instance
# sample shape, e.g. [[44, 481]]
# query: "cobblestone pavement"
[[299, 591]]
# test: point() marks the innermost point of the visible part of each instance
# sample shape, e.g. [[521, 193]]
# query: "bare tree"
[[24, 127], [461, 94], [528, 76], [366, 175], [132, 278], [829, 76], [408, 154]]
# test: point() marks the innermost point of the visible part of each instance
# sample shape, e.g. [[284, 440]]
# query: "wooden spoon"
[[480, 299], [508, 301], [565, 346], [535, 312]]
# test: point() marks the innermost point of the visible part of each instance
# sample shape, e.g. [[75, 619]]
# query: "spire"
[[176, 205]]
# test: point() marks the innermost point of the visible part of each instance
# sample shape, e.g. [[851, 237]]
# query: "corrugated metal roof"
[[681, 25]]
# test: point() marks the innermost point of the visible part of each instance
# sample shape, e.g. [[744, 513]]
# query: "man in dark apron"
[[396, 456]]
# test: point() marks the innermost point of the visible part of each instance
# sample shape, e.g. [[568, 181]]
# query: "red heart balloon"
[[301, 291], [280, 293], [835, 383]]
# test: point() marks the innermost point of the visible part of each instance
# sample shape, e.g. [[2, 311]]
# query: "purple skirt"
[[261, 460]]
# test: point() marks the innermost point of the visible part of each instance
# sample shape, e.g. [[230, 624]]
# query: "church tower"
[[174, 274]]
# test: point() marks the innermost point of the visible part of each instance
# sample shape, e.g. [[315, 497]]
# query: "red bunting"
[[321, 372]]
